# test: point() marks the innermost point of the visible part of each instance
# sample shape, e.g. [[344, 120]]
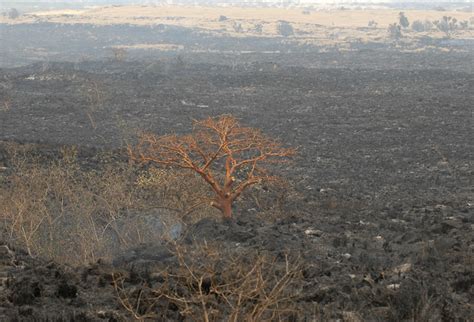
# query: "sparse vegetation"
[[60, 210]]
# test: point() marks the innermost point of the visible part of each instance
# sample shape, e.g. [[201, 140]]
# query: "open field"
[[208, 17], [374, 222], [151, 30]]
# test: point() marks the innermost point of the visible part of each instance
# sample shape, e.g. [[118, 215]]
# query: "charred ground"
[[381, 218]]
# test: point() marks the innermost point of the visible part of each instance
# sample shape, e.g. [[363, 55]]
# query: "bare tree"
[[228, 156]]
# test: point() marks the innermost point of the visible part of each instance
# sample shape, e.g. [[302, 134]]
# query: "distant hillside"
[[35, 5]]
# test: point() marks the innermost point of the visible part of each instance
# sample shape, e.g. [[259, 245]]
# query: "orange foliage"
[[228, 156]]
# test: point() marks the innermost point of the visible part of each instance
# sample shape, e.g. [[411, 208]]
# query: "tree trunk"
[[225, 206]]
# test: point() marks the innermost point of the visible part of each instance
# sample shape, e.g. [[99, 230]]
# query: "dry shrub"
[[54, 208], [78, 213], [209, 285], [180, 191], [414, 302], [95, 94]]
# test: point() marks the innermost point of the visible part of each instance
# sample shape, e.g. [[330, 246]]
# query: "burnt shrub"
[[65, 290]]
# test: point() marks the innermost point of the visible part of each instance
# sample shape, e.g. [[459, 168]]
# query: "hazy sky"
[[236, 1]]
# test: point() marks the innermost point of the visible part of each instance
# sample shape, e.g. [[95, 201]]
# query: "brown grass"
[[63, 210]]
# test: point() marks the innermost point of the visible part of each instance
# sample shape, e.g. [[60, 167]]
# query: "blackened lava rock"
[[25, 311], [464, 283], [407, 300], [143, 257], [211, 229], [322, 295], [66, 290], [24, 291], [205, 229], [6, 255]]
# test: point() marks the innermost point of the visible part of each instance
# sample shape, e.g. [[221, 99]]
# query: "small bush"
[[285, 29], [237, 27], [464, 25], [372, 23], [447, 25], [403, 20], [13, 13], [223, 18], [394, 31], [428, 25], [420, 26]]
